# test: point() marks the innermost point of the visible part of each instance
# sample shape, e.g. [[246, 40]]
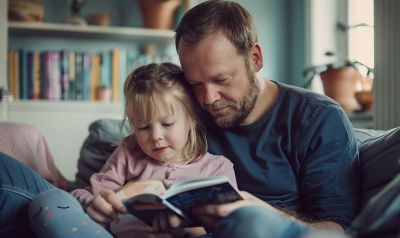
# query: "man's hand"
[[167, 222], [211, 214], [105, 207]]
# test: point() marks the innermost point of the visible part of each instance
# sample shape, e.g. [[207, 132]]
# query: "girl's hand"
[[105, 207]]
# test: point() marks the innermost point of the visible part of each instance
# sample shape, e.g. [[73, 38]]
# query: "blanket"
[[28, 145]]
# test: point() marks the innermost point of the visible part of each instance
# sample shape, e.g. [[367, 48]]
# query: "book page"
[[194, 184], [139, 187]]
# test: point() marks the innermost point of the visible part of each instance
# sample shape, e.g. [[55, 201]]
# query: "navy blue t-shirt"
[[300, 156]]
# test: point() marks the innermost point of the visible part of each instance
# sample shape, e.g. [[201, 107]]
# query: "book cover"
[[180, 198]]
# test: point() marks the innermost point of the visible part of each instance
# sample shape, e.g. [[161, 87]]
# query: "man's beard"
[[246, 105]]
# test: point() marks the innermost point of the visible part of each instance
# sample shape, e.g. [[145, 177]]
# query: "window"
[[361, 31]]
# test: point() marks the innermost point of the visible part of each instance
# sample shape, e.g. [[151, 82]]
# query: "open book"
[[145, 199]]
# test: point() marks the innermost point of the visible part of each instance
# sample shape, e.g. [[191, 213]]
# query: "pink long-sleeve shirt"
[[125, 165]]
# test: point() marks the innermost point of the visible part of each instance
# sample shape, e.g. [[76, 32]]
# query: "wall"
[[280, 24]]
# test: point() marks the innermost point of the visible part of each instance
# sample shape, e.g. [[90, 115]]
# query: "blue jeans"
[[258, 222], [18, 186], [25, 195]]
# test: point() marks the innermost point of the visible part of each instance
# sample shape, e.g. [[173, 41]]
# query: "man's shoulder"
[[302, 95], [306, 102]]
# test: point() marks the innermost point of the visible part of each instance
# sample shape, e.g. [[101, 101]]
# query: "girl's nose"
[[156, 134]]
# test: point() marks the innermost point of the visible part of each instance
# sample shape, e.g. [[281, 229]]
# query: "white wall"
[[64, 124]]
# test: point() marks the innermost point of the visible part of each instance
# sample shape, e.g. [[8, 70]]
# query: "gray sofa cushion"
[[364, 134], [379, 152], [379, 162], [104, 137]]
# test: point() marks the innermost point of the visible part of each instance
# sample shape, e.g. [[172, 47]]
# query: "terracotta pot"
[[340, 85], [158, 13]]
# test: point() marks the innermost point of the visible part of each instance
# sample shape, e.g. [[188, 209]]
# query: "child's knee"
[[56, 213]]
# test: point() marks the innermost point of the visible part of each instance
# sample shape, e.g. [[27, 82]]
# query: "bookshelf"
[[65, 122]]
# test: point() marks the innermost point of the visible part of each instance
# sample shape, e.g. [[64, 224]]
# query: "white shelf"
[[52, 29], [65, 106]]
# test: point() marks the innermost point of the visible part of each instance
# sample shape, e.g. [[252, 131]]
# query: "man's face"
[[224, 84]]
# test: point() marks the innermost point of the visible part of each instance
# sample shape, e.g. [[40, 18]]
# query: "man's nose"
[[210, 94]]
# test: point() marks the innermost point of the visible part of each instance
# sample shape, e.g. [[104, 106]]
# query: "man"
[[291, 148]]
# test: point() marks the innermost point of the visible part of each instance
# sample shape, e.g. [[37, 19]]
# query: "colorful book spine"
[[95, 76], [54, 89], [71, 75], [86, 76], [105, 70], [123, 62], [23, 72], [36, 75], [17, 93], [115, 74], [64, 71], [78, 76], [44, 74], [29, 75], [11, 74]]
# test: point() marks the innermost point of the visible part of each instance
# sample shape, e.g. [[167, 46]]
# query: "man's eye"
[[220, 81]]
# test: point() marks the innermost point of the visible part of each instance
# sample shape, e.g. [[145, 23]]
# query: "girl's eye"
[[143, 128], [168, 124]]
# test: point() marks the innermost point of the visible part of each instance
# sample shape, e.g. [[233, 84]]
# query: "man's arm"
[[210, 214]]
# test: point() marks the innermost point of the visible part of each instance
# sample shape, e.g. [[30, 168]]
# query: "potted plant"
[[340, 78]]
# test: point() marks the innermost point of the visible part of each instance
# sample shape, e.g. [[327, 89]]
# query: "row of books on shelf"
[[72, 75]]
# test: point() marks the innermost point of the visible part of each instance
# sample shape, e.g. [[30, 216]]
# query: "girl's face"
[[164, 137]]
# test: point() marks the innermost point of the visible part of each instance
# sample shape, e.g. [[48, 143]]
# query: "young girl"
[[167, 143]]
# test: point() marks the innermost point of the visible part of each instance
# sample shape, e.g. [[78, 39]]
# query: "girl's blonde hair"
[[155, 87]]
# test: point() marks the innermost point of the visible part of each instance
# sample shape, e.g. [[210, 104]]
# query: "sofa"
[[379, 164], [378, 161]]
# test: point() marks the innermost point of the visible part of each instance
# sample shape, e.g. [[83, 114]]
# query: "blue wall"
[[280, 24]]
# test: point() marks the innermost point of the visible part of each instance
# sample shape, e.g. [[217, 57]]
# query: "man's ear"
[[256, 57]]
